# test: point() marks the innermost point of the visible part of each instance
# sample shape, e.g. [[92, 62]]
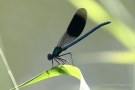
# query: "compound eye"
[[49, 56]]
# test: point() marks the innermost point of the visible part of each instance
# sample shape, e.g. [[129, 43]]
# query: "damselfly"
[[69, 38]]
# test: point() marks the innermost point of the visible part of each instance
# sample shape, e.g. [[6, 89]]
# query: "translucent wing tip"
[[82, 13]]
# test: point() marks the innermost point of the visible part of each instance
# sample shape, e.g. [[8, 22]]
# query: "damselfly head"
[[50, 57]]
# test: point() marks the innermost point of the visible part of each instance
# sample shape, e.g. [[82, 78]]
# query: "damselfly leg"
[[70, 55]]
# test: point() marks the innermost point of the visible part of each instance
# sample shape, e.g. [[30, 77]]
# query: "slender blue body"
[[85, 35]]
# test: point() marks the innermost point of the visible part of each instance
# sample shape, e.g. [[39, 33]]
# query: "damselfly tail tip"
[[108, 22]]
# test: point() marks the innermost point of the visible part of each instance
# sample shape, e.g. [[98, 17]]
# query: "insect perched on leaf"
[[69, 38]]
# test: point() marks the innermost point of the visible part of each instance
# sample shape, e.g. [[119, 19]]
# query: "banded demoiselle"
[[69, 38]]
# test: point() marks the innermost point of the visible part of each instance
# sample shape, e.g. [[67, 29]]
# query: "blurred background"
[[30, 29]]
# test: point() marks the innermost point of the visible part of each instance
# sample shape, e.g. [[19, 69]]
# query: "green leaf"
[[57, 71]]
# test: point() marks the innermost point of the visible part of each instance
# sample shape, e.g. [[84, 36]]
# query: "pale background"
[[30, 29]]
